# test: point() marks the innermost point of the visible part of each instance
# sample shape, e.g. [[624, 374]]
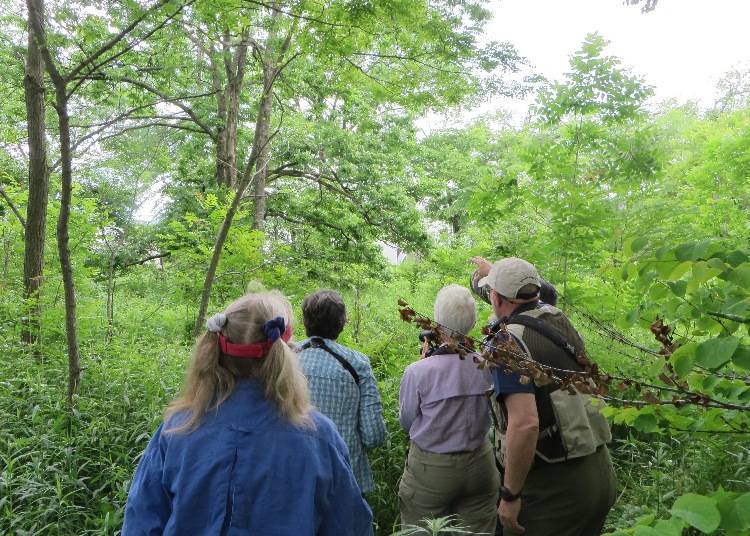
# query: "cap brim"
[[485, 281]]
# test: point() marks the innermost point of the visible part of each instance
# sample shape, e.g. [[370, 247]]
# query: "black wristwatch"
[[509, 496]]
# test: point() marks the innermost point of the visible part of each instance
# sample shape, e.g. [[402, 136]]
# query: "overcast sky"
[[682, 48]]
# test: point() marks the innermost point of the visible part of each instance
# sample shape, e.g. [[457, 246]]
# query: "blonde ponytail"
[[211, 376]]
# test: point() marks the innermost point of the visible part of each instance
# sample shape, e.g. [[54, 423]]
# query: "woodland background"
[[159, 157]]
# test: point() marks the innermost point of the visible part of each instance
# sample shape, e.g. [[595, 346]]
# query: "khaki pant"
[[569, 498], [463, 484]]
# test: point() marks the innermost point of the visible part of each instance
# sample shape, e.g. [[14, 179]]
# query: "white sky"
[[682, 48]]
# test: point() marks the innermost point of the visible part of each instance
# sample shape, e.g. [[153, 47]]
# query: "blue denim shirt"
[[246, 471], [356, 410]]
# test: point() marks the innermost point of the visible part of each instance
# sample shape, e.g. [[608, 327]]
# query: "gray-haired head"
[[455, 309]]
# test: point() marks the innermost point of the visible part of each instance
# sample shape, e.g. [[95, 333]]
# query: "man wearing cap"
[[558, 477]]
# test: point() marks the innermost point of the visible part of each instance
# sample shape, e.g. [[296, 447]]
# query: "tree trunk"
[[36, 209], [262, 137], [110, 297], [63, 247], [258, 147], [36, 22], [259, 154]]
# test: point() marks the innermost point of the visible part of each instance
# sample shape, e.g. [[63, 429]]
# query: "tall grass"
[[65, 472]]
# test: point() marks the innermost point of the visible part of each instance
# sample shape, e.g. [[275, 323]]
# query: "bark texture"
[[36, 209], [36, 21]]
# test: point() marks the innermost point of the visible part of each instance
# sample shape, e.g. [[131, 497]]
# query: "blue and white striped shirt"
[[356, 410]]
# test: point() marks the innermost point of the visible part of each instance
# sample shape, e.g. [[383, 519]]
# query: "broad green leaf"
[[743, 509], [731, 518], [646, 422], [639, 243], [669, 527], [680, 270], [678, 287], [713, 353], [647, 531], [741, 357], [701, 273], [684, 252], [698, 511], [737, 257], [683, 359], [741, 275]]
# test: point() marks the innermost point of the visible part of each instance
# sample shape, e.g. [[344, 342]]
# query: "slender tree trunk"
[[110, 297], [36, 208], [262, 132], [63, 243], [357, 314], [259, 154], [257, 149], [36, 22]]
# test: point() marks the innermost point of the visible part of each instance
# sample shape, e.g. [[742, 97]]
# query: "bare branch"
[[13, 207], [112, 42], [175, 100], [145, 260]]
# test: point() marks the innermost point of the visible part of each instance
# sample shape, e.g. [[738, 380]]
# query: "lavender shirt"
[[443, 407]]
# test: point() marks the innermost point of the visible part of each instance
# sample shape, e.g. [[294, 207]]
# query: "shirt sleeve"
[[347, 512], [507, 382], [148, 506], [371, 422], [408, 398], [482, 292]]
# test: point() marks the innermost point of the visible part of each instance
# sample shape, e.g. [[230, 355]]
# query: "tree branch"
[[13, 207], [130, 46], [149, 258], [175, 100]]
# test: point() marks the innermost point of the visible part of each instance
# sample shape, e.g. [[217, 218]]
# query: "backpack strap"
[[317, 342], [545, 329]]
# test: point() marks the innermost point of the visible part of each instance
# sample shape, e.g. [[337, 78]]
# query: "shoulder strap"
[[317, 342], [545, 329]]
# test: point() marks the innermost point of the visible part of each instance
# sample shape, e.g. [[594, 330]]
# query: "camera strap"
[[317, 342]]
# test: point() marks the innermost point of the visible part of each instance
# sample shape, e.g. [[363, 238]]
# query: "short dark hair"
[[324, 314]]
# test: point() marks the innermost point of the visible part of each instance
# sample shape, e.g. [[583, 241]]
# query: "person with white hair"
[[450, 468]]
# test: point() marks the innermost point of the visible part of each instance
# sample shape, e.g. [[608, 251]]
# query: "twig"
[[13, 207]]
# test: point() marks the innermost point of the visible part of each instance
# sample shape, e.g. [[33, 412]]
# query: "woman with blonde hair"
[[241, 451]]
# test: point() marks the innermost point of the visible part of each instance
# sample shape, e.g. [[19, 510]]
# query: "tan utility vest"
[[570, 425]]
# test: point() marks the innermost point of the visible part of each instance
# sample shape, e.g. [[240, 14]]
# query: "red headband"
[[255, 350]]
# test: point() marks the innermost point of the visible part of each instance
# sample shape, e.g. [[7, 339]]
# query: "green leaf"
[[741, 275], [647, 531], [701, 273], [731, 518], [646, 422], [737, 257], [669, 527], [684, 252], [713, 353], [743, 509], [680, 270], [683, 359], [678, 287], [698, 511], [639, 243], [741, 357]]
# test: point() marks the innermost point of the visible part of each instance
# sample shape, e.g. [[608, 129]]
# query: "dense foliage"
[[637, 214]]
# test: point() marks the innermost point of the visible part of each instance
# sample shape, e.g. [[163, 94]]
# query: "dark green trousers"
[[463, 484], [569, 498]]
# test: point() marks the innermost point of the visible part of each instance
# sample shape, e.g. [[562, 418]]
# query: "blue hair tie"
[[274, 329]]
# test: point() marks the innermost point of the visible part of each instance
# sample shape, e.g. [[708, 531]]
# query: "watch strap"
[[509, 496]]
